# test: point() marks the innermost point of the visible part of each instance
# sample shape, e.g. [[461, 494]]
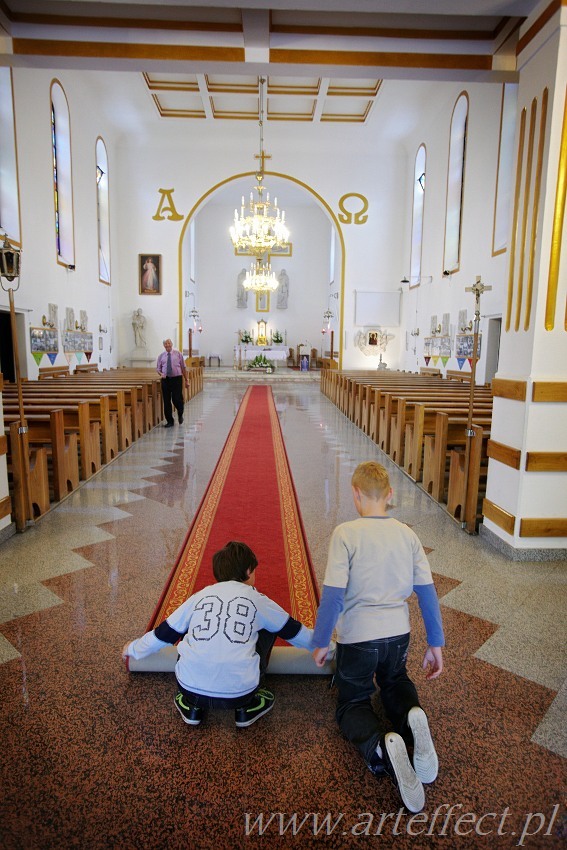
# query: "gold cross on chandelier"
[[262, 157]]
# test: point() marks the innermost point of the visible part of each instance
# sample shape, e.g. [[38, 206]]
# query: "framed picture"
[[262, 302], [242, 252], [149, 271], [283, 251], [464, 344], [372, 338]]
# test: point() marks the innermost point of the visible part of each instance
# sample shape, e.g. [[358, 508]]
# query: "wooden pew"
[[457, 375], [468, 510], [450, 433], [53, 372], [404, 412], [82, 368], [124, 400], [47, 431], [37, 477], [77, 418], [110, 409]]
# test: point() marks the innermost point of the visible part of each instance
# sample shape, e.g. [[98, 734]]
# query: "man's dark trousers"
[[172, 390]]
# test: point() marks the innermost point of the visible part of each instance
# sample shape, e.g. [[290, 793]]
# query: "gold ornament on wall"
[[347, 217]]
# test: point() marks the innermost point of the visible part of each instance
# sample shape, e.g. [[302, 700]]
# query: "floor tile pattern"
[[96, 758]]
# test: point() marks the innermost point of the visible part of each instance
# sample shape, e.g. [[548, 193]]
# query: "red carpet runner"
[[250, 497]]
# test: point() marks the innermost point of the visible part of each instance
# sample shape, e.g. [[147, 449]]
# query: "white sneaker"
[[397, 765], [425, 761]]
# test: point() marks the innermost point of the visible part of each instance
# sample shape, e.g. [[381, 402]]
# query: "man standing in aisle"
[[173, 373]]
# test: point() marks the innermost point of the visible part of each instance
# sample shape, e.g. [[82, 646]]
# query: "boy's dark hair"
[[233, 562]]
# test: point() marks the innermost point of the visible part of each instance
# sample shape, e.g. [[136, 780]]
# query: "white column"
[[525, 510]]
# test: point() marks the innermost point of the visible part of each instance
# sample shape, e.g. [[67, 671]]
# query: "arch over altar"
[[322, 203]]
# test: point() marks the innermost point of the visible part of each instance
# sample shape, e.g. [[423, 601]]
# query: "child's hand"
[[433, 662], [320, 655], [125, 655]]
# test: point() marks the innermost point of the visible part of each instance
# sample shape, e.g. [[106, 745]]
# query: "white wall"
[[43, 281], [447, 294]]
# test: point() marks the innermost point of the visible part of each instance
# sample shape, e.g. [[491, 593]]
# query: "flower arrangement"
[[277, 337], [245, 337], [260, 362]]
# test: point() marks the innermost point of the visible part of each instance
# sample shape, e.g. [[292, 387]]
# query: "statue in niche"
[[53, 311], [283, 290], [139, 328], [241, 293]]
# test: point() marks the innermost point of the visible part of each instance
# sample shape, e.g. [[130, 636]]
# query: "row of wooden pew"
[[421, 423], [75, 425]]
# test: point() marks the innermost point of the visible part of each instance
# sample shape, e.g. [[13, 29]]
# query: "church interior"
[[361, 206]]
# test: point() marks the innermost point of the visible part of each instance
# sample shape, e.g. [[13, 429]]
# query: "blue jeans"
[[357, 665]]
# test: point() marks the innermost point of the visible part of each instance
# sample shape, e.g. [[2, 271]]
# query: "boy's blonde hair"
[[371, 479]]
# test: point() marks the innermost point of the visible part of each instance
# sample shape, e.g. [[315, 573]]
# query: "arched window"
[[102, 210], [9, 189], [417, 217], [455, 184], [62, 176]]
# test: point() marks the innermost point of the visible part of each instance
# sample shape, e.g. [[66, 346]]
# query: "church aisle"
[[94, 757]]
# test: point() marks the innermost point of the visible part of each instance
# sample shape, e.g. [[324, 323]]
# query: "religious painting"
[[243, 252], [262, 302], [284, 250], [149, 271], [372, 338]]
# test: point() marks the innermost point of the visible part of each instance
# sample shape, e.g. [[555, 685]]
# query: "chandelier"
[[260, 278], [261, 226]]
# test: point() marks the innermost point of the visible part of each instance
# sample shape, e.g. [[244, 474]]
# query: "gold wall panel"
[[535, 212], [513, 242], [544, 527], [557, 229], [525, 211], [498, 516]]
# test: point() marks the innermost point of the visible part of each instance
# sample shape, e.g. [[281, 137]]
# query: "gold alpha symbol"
[[347, 217], [166, 205]]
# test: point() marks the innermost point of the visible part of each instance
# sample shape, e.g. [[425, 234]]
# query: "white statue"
[[283, 290], [241, 293], [70, 318], [139, 328], [53, 316], [84, 319]]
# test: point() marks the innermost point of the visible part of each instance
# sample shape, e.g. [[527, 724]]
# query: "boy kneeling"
[[226, 632]]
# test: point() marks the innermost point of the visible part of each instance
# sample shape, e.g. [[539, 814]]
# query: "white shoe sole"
[[409, 785], [243, 724], [425, 761], [186, 719]]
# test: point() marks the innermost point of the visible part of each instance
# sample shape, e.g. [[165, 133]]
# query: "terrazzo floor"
[[93, 757]]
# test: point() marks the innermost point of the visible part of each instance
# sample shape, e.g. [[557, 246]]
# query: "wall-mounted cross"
[[478, 288]]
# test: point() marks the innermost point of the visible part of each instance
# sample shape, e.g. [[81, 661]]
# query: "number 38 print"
[[234, 619]]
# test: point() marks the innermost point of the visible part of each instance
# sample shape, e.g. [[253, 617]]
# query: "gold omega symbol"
[[346, 217]]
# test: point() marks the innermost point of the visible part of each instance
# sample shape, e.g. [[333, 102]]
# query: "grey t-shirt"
[[378, 560]]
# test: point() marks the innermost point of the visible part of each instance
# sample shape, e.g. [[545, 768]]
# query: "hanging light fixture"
[[260, 278], [261, 226]]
